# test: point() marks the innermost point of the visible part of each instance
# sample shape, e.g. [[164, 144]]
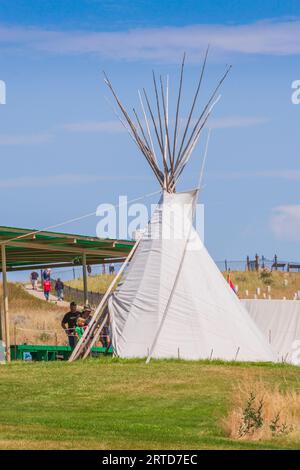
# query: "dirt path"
[[40, 295]]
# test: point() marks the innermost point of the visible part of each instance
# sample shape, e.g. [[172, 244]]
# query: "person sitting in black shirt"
[[69, 323]]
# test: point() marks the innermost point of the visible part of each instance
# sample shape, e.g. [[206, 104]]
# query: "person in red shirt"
[[47, 288]]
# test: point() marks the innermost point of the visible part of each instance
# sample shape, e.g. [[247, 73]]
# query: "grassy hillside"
[[281, 284], [98, 283], [114, 404], [33, 320]]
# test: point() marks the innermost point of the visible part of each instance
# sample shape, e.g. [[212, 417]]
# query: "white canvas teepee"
[[173, 301]]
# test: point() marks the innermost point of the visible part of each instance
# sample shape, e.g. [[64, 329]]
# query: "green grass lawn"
[[114, 404]]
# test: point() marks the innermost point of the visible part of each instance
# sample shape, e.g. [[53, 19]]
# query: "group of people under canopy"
[[75, 322]]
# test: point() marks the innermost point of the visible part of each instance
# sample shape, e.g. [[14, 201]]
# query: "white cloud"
[[281, 174], [116, 127], [237, 121], [162, 44], [54, 180], [285, 223], [291, 175], [60, 180], [29, 139], [96, 126]]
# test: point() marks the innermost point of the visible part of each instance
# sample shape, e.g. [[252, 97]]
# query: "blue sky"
[[62, 152]]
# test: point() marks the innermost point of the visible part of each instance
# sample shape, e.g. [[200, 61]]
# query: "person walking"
[[47, 288], [34, 279], [111, 268], [69, 323], [46, 275], [59, 287]]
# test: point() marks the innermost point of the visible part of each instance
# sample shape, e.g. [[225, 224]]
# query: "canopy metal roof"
[[28, 249]]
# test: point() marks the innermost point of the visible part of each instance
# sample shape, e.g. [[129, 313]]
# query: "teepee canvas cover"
[[173, 301], [279, 321]]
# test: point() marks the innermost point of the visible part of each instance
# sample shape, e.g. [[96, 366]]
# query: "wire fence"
[[72, 294], [255, 263], [76, 271], [76, 295], [259, 262]]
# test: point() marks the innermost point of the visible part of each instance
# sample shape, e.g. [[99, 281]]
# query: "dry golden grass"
[[244, 279], [277, 281], [33, 321], [280, 411], [98, 283]]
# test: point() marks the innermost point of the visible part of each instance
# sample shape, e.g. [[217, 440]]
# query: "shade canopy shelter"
[[31, 249], [27, 249]]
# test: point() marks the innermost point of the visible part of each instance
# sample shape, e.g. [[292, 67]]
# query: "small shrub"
[[278, 428], [44, 337], [252, 416], [266, 276], [262, 412]]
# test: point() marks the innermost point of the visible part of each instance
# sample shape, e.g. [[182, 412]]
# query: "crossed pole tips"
[[151, 130]]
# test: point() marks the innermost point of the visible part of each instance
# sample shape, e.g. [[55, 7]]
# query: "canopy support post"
[[5, 303], [85, 284]]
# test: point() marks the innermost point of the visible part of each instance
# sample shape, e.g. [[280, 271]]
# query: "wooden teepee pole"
[[148, 127], [177, 113], [193, 104], [196, 126]]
